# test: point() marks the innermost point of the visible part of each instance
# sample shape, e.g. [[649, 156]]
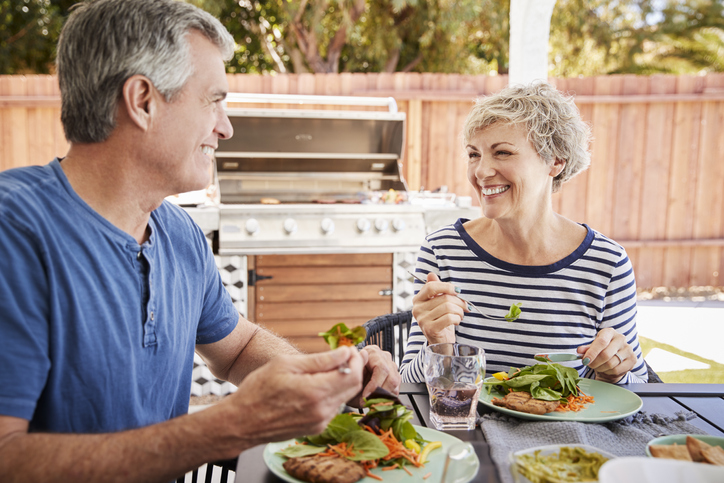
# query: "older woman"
[[576, 286]]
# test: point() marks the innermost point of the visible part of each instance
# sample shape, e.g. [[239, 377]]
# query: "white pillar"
[[530, 25]]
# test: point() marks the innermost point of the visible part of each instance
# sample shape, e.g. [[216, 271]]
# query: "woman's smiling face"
[[509, 177]]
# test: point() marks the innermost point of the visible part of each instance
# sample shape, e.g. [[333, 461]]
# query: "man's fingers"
[[321, 361]]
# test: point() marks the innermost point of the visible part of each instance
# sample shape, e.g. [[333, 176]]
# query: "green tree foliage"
[[28, 31], [594, 37], [588, 37]]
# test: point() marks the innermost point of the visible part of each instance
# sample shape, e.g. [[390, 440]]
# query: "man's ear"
[[557, 167], [138, 100]]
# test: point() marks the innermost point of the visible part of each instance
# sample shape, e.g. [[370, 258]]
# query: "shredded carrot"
[[393, 467], [338, 450], [373, 476], [396, 448], [343, 340], [575, 403], [427, 476], [407, 471]]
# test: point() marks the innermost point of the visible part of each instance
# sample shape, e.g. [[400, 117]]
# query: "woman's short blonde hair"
[[552, 120]]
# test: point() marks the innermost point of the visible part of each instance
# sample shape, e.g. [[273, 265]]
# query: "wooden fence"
[[656, 182]]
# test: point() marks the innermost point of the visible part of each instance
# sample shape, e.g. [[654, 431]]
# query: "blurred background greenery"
[[588, 37]]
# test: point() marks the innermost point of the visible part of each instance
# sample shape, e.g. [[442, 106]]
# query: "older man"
[[106, 290]]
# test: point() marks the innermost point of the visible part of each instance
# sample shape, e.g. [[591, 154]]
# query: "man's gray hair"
[[105, 42], [552, 120]]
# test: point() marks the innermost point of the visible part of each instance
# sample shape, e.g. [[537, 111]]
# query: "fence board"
[[708, 204], [655, 185], [682, 184], [656, 174]]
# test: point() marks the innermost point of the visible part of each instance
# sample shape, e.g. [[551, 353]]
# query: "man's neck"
[[108, 183]]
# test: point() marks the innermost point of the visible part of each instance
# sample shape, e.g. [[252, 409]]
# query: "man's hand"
[[291, 396], [379, 371]]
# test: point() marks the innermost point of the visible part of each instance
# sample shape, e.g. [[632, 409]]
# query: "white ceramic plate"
[[611, 403], [435, 464], [640, 469], [546, 450]]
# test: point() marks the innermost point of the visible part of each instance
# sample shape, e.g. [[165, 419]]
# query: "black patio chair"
[[653, 377], [228, 467], [390, 332]]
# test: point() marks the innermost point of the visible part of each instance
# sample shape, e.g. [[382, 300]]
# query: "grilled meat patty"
[[522, 401], [324, 469]]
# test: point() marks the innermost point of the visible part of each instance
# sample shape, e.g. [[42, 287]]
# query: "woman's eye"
[[502, 153], [472, 155]]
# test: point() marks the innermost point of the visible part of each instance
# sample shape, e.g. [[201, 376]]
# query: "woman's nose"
[[484, 169]]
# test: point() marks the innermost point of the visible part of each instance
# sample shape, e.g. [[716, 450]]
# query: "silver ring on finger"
[[619, 359]]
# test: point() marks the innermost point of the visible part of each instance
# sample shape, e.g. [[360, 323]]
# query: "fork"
[[470, 304]]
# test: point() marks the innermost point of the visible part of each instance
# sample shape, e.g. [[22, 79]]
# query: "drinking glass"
[[454, 375]]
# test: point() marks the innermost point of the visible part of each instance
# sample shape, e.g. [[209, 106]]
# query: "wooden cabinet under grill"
[[308, 294]]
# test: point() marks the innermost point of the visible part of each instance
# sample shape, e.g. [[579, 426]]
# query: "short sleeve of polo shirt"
[[219, 316], [23, 320]]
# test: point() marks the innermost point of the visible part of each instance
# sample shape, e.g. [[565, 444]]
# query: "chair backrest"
[[389, 332], [653, 377], [225, 473]]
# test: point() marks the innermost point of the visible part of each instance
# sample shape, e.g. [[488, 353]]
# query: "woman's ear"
[[138, 98], [557, 167]]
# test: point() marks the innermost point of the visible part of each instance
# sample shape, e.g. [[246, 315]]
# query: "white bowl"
[[550, 449], [640, 469]]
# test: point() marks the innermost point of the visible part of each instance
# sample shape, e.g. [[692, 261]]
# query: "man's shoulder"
[[22, 188], [19, 181]]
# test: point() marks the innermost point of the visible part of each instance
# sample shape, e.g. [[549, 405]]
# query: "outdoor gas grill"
[[314, 181]]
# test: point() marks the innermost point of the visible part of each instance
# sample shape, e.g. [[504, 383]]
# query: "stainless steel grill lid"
[[306, 155]]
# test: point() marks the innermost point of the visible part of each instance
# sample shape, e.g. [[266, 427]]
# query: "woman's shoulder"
[[599, 241], [447, 232]]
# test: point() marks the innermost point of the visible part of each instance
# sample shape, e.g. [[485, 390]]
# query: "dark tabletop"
[[706, 400]]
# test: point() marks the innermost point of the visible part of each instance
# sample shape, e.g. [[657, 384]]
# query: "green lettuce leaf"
[[366, 446], [333, 335], [300, 450]]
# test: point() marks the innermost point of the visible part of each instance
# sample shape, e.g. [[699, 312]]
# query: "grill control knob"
[[363, 225], [398, 224], [381, 225], [252, 226], [290, 225], [327, 226]]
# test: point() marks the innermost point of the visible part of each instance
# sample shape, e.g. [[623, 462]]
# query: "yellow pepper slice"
[[428, 448], [412, 444], [501, 376]]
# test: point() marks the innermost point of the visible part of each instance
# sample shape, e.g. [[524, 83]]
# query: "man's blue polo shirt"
[[97, 332]]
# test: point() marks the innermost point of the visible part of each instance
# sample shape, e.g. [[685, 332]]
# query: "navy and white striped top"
[[564, 305]]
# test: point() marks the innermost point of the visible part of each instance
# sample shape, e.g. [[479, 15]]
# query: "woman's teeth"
[[494, 191], [207, 150]]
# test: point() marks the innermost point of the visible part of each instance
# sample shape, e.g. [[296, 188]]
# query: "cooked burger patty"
[[324, 469]]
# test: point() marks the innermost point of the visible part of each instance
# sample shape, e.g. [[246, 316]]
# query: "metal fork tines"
[[470, 304]]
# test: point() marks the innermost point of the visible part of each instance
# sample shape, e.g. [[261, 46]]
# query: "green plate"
[[435, 464], [611, 402], [681, 439]]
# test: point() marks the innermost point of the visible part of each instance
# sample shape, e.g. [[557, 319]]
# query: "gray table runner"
[[626, 437]]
